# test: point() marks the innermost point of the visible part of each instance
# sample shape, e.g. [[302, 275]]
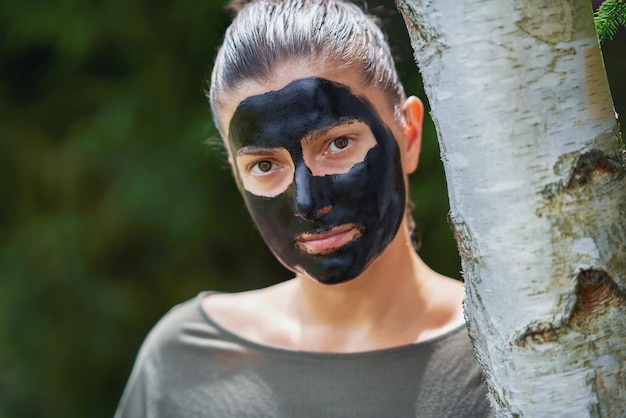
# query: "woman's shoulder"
[[212, 318], [183, 327], [255, 315]]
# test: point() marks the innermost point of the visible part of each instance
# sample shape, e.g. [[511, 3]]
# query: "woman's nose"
[[313, 194]]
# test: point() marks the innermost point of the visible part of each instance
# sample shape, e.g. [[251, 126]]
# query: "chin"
[[337, 269]]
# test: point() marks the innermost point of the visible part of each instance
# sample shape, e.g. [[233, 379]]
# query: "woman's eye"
[[262, 167], [339, 144]]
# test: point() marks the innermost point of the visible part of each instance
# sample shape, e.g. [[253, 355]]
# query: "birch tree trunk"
[[536, 175]]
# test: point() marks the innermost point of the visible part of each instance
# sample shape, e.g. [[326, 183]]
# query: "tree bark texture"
[[536, 173]]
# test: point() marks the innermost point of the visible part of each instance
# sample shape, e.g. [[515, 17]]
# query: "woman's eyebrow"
[[313, 136], [256, 151]]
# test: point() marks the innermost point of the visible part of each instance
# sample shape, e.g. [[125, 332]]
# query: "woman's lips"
[[323, 242]]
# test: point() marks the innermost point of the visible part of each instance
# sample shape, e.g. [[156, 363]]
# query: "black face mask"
[[371, 194]]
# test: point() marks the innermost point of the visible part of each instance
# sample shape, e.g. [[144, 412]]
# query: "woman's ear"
[[413, 111]]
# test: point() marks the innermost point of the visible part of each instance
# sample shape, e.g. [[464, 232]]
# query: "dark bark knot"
[[592, 165], [594, 290], [537, 333], [595, 293]]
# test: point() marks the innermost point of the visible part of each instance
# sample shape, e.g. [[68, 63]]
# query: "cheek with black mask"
[[368, 199]]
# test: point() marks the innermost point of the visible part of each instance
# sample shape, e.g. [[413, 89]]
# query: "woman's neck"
[[394, 302], [398, 300], [394, 275]]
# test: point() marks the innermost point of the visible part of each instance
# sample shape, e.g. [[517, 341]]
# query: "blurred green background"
[[113, 209]]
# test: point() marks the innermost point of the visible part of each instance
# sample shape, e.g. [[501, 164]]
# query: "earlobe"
[[413, 111]]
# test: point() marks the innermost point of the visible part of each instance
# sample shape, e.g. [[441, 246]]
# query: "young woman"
[[321, 140]]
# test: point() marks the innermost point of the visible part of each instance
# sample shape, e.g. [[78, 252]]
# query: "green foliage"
[[609, 17], [113, 209]]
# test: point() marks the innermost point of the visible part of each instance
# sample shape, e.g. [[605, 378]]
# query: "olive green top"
[[189, 366]]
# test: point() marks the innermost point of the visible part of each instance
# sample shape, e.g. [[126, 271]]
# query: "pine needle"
[[609, 17]]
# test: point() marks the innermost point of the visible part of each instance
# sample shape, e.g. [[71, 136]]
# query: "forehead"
[[292, 71], [301, 108]]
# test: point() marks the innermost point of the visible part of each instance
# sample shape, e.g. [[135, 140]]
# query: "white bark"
[[536, 177]]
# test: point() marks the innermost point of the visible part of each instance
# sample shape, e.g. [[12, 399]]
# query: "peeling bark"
[[536, 174]]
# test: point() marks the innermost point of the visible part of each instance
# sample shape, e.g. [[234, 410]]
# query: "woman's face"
[[320, 170]]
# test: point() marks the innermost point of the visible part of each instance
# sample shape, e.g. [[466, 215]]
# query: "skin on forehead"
[[295, 113], [298, 69]]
